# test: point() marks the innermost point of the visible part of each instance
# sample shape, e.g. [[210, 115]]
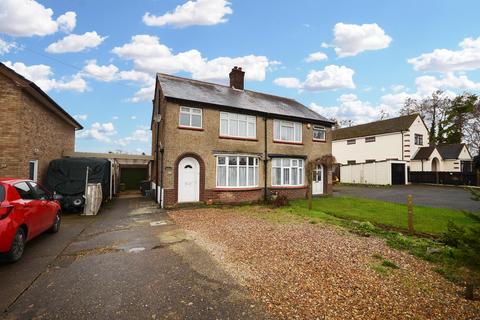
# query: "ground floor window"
[[237, 171], [33, 170], [287, 172]]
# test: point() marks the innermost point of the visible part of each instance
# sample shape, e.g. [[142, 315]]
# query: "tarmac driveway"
[[129, 262], [423, 195]]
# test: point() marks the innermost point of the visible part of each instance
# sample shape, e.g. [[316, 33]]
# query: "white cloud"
[[139, 135], [444, 60], [194, 12], [115, 117], [76, 43], [100, 73], [41, 75], [5, 46], [150, 56], [316, 56], [352, 39], [350, 107], [144, 94], [332, 77], [98, 131], [428, 84], [136, 76], [29, 18], [288, 82], [133, 117], [80, 117], [67, 22]]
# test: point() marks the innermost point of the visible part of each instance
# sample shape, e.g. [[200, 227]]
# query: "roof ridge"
[[377, 121], [222, 85]]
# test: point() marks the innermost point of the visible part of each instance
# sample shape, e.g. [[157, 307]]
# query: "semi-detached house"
[[217, 143]]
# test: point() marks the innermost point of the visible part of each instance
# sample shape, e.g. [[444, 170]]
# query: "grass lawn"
[[427, 220]]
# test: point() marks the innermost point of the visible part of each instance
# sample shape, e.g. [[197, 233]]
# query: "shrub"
[[281, 201]]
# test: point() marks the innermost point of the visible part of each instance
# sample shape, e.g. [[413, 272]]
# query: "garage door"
[[398, 173], [132, 177]]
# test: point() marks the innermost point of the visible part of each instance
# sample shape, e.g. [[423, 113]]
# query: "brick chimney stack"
[[237, 78]]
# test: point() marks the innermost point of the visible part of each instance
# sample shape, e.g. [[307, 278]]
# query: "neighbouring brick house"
[[34, 129], [224, 144]]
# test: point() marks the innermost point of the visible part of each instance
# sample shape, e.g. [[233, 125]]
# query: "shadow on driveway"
[[430, 196]]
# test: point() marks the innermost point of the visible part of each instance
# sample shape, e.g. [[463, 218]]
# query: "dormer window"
[[190, 117]]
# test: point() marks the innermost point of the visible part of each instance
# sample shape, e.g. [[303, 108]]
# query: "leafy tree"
[[457, 116], [433, 111]]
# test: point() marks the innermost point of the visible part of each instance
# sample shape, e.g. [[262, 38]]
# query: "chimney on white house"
[[237, 77]]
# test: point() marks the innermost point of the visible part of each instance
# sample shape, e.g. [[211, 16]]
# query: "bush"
[[466, 242], [280, 201]]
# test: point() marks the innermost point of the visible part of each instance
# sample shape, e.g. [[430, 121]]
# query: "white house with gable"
[[391, 139]]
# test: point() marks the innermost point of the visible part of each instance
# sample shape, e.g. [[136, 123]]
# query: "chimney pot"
[[237, 77]]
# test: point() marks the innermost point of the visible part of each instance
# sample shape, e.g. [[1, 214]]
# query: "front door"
[[317, 182], [188, 180]]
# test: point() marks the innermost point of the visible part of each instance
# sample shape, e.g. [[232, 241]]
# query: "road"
[[118, 265], [423, 195]]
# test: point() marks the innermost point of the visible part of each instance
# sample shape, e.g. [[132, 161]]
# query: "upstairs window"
[[287, 131], [190, 117], [369, 139], [319, 133], [287, 172], [237, 125], [418, 139], [351, 141]]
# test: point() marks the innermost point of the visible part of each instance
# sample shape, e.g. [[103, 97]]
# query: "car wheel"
[[18, 246], [56, 224]]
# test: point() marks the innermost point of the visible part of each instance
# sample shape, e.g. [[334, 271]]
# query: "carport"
[[128, 169]]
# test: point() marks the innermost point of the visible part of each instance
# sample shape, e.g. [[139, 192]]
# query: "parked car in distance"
[[26, 211]]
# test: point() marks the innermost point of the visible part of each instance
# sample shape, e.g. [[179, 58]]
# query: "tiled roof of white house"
[[225, 96]]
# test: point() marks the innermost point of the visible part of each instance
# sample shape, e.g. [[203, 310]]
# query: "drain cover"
[[158, 223]]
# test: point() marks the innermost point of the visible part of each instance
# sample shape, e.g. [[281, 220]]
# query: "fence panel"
[[452, 178]]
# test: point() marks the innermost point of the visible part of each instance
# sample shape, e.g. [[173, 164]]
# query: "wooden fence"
[[452, 178]]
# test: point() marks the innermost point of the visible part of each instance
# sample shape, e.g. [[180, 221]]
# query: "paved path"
[[431, 196], [118, 266]]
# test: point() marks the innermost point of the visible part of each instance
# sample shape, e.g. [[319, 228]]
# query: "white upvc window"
[[237, 171], [237, 125], [287, 131], [190, 117], [319, 133], [287, 172]]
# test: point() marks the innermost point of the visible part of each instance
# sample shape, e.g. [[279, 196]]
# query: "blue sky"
[[344, 59]]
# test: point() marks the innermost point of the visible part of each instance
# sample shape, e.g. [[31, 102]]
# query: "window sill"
[[287, 187], [238, 138], [190, 128], [288, 142], [219, 189], [319, 140]]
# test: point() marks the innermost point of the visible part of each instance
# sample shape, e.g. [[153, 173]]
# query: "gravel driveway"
[[305, 271], [430, 196]]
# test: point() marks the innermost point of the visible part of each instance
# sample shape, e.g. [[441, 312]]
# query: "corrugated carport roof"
[[205, 92]]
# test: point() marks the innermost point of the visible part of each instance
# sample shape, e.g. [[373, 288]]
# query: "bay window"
[[190, 117], [237, 171], [287, 131], [287, 172], [237, 125]]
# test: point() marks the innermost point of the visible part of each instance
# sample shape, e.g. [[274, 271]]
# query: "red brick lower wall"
[[291, 193], [238, 196]]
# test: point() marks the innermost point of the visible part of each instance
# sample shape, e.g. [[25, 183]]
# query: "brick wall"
[[10, 106], [30, 131]]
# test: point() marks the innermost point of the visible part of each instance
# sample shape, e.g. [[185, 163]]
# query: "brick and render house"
[[217, 143], [33, 127]]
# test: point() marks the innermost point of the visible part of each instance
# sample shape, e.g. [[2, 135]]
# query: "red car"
[[26, 210]]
